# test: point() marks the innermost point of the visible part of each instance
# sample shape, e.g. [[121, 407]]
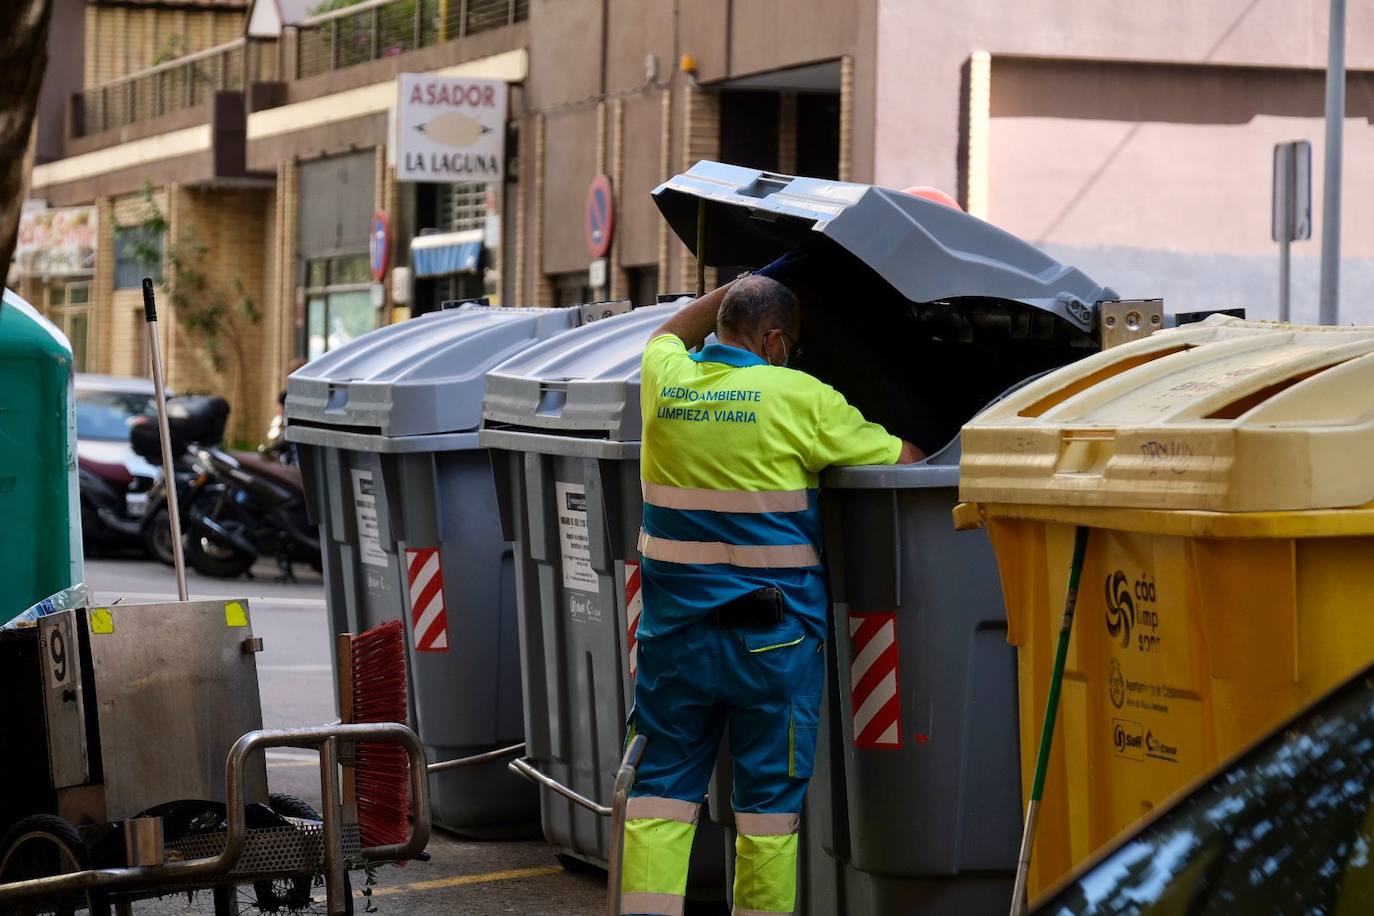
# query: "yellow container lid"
[[1225, 416]]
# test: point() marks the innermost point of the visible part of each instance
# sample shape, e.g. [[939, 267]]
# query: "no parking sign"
[[379, 245], [599, 221]]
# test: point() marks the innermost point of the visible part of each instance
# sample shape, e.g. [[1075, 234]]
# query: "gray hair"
[[754, 305]]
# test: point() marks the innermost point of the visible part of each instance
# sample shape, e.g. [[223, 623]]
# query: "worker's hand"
[[910, 453]]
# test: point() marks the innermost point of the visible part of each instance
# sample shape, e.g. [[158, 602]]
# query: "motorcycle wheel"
[[157, 537], [205, 556]]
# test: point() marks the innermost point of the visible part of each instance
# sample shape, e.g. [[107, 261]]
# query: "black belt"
[[763, 607]]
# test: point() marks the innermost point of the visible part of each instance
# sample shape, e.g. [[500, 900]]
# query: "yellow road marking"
[[463, 880]]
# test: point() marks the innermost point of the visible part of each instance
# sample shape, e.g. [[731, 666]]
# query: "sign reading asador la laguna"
[[450, 128]]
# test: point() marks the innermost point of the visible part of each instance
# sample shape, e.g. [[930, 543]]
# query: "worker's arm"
[[695, 320], [843, 437]]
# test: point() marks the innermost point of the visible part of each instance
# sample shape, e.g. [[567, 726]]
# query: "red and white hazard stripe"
[[428, 617], [874, 694], [634, 606]]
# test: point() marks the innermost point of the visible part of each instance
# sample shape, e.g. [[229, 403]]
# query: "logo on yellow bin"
[[1116, 683], [453, 128], [1120, 607]]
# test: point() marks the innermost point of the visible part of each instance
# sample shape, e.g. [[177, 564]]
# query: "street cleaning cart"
[[134, 768]]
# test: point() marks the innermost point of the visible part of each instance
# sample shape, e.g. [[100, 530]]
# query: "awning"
[[446, 253]]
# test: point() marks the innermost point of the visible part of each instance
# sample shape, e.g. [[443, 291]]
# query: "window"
[[106, 415], [69, 305], [338, 302], [643, 283], [571, 288], [462, 206], [131, 243]]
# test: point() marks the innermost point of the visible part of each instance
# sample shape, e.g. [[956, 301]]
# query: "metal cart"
[[115, 786]]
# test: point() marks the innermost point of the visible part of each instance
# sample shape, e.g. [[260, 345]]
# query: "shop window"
[[133, 245], [338, 302], [69, 306]]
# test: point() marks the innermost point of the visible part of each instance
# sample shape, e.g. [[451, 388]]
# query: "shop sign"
[[57, 242], [450, 129]]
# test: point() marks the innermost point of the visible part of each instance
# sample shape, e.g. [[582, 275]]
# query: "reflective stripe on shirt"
[[659, 494]]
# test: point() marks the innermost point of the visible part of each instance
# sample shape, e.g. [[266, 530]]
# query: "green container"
[[40, 508]]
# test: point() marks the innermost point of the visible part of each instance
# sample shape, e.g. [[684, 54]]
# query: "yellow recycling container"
[[1226, 471]]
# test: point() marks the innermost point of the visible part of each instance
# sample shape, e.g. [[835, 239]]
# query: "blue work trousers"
[[760, 685]]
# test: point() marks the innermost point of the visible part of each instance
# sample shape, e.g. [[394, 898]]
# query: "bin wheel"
[[574, 865], [39, 847]]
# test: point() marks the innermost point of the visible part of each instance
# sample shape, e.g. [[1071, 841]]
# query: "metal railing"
[[176, 85], [206, 872], [375, 29]]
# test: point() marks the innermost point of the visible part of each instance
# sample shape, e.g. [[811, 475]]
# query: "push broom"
[[372, 688], [1042, 758]]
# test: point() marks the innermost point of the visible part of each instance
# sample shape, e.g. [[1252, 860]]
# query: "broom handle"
[[1042, 758], [344, 641], [169, 479]]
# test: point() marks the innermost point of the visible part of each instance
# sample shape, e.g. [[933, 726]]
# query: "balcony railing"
[[384, 28], [174, 86]]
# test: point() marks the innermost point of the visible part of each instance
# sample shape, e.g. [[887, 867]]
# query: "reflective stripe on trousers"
[[658, 846], [776, 556]]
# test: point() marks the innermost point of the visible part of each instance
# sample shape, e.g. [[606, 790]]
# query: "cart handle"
[[195, 870]]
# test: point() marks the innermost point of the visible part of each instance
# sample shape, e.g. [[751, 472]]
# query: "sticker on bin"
[[634, 605], [873, 678], [428, 617]]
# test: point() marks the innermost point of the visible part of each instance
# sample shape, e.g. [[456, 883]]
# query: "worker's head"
[[762, 316]]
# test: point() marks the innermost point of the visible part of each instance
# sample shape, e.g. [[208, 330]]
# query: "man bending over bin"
[[734, 618]]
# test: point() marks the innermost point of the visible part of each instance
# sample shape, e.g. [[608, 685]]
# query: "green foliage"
[[369, 870], [172, 48], [216, 317]]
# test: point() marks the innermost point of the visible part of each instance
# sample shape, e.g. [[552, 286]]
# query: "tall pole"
[[1284, 311], [1331, 183]]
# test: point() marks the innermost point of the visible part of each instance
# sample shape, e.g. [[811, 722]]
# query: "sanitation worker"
[[734, 619]]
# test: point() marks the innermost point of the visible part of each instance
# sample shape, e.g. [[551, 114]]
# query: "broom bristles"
[[381, 771]]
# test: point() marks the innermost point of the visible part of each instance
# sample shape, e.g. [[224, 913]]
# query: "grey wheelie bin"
[[562, 424], [920, 315], [386, 430]]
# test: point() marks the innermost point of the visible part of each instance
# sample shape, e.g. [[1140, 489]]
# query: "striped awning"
[[446, 253]]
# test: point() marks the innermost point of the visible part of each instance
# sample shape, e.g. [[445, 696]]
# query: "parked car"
[[114, 478], [1288, 827]]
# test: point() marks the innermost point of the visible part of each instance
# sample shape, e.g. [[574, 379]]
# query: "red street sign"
[[599, 221], [379, 245]]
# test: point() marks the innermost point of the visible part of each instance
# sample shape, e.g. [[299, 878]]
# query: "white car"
[[114, 478]]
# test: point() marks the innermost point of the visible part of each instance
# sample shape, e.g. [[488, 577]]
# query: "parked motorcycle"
[[148, 515], [252, 505]]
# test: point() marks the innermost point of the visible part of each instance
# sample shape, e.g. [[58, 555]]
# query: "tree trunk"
[[24, 51]]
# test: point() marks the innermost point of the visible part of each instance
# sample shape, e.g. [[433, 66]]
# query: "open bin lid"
[[584, 383], [419, 377], [926, 251]]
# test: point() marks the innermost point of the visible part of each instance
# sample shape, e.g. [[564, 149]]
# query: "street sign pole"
[[1284, 281], [1292, 209], [1331, 182]]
